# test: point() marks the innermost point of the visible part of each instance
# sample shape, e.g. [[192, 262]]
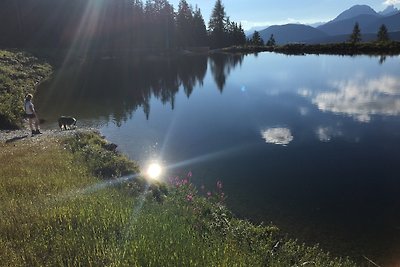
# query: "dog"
[[66, 123]]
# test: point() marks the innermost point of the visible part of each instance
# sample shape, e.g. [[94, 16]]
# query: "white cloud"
[[325, 134], [391, 2], [248, 24], [279, 136], [361, 98]]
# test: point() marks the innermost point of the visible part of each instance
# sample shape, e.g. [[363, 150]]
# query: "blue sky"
[[269, 12]]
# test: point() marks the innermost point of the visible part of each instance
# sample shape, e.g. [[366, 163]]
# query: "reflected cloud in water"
[[278, 136], [325, 134], [361, 98]]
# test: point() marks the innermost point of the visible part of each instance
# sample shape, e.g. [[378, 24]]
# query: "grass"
[[56, 212], [20, 73], [367, 48]]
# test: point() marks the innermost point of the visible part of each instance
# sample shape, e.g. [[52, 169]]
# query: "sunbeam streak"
[[99, 186], [210, 156]]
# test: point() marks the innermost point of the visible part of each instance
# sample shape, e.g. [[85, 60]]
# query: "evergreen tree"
[[240, 36], [160, 24], [184, 24], [199, 28], [271, 41], [355, 37], [137, 24], [216, 25], [256, 39], [383, 35]]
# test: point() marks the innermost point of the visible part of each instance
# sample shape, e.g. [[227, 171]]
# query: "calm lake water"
[[309, 143]]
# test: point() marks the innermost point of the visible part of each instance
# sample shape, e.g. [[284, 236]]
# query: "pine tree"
[[271, 41], [199, 28], [355, 37], [383, 35], [184, 24], [256, 39], [216, 25]]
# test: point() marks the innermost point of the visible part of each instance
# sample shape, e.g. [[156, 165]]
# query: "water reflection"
[[108, 88], [221, 65], [325, 134], [361, 98], [278, 136]]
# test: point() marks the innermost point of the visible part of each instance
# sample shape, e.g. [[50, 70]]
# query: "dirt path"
[[11, 136]]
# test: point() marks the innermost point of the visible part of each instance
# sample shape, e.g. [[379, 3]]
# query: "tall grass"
[[49, 219]]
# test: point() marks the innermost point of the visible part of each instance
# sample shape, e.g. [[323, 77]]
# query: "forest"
[[114, 25]]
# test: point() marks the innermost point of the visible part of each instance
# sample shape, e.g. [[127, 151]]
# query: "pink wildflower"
[[185, 181], [189, 197], [219, 185], [209, 194], [189, 174]]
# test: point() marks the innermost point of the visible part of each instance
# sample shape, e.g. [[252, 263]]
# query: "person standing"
[[31, 115]]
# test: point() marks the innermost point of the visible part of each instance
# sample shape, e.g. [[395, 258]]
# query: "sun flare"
[[154, 171]]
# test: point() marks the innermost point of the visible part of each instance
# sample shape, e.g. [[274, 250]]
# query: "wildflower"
[[208, 194], [185, 181], [189, 197], [189, 174], [219, 185]]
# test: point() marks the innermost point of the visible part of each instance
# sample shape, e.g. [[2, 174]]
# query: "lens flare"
[[154, 171]]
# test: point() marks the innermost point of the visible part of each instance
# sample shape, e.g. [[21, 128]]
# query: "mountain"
[[367, 23], [367, 37], [336, 27], [392, 23], [290, 33], [256, 28], [388, 11], [355, 11]]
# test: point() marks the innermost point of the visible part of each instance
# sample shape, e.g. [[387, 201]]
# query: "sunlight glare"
[[154, 171]]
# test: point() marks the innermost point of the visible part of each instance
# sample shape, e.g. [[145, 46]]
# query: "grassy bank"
[[60, 207], [372, 48], [20, 73]]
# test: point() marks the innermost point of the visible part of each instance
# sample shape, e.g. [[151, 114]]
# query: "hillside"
[[338, 29], [355, 11], [290, 33]]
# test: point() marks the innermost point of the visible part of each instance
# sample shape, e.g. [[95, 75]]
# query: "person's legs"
[[30, 123], [37, 130]]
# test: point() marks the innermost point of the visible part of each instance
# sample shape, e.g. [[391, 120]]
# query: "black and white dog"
[[66, 123]]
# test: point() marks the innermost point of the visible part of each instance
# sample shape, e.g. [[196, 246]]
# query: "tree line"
[[114, 24], [355, 37]]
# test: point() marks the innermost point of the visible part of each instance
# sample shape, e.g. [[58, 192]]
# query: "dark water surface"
[[310, 143]]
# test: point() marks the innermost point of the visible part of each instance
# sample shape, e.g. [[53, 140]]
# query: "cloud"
[[248, 24], [361, 98], [278, 136], [391, 2], [325, 134]]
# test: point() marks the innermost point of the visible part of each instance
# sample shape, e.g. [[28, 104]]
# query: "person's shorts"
[[30, 116]]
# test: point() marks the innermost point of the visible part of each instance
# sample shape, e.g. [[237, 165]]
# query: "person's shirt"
[[29, 107]]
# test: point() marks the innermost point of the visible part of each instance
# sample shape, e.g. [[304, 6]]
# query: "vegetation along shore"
[[20, 73], [72, 199]]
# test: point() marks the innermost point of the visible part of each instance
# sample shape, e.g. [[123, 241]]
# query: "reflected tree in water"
[[221, 65], [100, 89]]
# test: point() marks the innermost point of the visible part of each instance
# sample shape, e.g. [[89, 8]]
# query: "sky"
[[253, 13]]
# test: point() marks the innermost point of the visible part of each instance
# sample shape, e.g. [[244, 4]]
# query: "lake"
[[309, 143]]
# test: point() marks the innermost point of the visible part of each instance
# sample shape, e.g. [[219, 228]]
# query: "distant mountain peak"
[[389, 10], [355, 11]]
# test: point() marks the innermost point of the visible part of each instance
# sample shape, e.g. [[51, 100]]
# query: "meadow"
[[63, 204]]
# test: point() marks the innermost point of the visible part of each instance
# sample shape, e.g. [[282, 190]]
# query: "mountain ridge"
[[368, 19]]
